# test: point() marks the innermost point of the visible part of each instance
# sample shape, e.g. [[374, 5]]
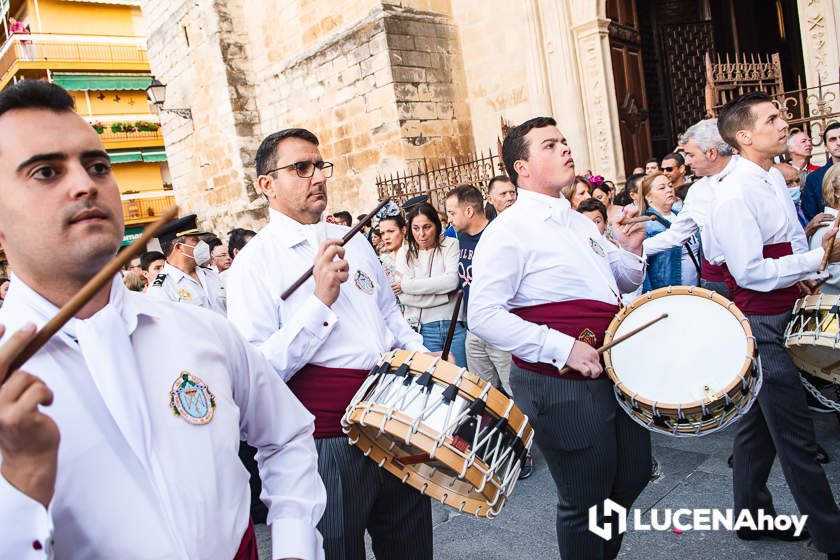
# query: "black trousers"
[[780, 424], [593, 450], [362, 496]]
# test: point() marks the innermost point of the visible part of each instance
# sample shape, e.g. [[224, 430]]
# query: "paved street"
[[694, 474]]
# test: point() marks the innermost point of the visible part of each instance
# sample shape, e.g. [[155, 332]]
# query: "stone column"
[[818, 24]]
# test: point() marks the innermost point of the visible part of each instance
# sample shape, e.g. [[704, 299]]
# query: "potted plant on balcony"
[[146, 126], [98, 127], [168, 186], [119, 126]]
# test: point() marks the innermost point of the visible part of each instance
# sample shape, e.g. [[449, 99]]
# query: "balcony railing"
[[66, 51], [145, 209], [145, 137]]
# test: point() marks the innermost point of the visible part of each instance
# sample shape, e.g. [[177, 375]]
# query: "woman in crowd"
[[831, 197], [577, 192], [427, 270], [392, 230], [677, 266]]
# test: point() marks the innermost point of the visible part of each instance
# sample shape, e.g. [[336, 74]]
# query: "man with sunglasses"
[[323, 340]]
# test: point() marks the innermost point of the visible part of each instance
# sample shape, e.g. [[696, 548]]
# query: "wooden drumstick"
[[347, 236], [834, 224], [636, 220], [69, 310], [450, 334], [620, 339]]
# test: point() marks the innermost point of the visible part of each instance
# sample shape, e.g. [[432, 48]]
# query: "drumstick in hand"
[[104, 276], [621, 339], [834, 224], [636, 220], [447, 344]]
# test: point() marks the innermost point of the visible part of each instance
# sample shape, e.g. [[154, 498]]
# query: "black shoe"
[[779, 535], [655, 469], [527, 468]]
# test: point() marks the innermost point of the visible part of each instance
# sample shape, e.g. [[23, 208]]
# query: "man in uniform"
[[323, 340], [150, 398], [186, 276]]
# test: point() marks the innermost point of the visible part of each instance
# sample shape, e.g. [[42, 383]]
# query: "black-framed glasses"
[[306, 169]]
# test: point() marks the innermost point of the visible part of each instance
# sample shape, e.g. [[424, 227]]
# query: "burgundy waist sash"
[[326, 392], [582, 319], [248, 547], [712, 272], [752, 302]]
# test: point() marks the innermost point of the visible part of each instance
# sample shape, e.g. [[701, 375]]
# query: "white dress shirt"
[[362, 324], [752, 208], [173, 284], [541, 251], [137, 480], [832, 284], [693, 217]]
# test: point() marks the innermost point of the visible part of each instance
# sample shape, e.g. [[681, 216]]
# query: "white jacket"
[[429, 297]]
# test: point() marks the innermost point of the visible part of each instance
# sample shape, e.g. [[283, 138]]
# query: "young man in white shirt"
[[755, 228], [136, 454], [323, 339], [545, 287]]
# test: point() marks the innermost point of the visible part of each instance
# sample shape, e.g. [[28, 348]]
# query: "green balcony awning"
[[81, 82], [131, 234], [151, 155]]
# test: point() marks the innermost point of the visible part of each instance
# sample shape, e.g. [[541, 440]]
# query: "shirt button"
[[326, 324], [37, 545], [553, 360]]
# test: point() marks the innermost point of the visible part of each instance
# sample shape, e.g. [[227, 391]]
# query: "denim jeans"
[[434, 335]]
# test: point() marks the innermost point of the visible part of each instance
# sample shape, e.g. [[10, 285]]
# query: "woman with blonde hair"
[[831, 198], [577, 192]]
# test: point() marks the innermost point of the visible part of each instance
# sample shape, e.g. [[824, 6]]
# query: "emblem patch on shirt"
[[184, 295], [597, 248], [191, 399], [588, 337], [363, 282]]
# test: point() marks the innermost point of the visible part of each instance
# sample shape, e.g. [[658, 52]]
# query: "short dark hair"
[[515, 147], [344, 216], [828, 129], [593, 205], [633, 183], [267, 152], [360, 217], [497, 179], [238, 238], [213, 242], [469, 195], [652, 160], [35, 94], [147, 258], [738, 115], [676, 156]]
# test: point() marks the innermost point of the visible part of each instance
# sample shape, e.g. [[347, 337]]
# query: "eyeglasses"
[[668, 169], [306, 169]]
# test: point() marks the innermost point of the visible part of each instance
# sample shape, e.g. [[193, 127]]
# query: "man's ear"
[[265, 186]]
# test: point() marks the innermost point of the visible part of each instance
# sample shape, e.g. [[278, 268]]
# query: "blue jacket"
[[812, 199], [665, 268]]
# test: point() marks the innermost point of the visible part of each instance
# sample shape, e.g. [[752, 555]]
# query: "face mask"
[[795, 194], [201, 253]]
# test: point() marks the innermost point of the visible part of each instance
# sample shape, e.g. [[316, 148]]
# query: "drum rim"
[[693, 406]]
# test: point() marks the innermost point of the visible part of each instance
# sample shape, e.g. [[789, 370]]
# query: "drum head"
[[694, 354]]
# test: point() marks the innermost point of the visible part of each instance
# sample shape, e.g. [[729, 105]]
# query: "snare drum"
[[440, 429], [690, 374], [812, 337]]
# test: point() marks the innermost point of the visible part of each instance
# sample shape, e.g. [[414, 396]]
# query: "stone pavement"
[[694, 474]]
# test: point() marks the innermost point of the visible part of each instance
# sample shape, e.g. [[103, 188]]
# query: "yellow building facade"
[[97, 51]]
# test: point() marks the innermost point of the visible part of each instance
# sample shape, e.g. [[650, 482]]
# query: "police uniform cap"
[[415, 201], [179, 228]]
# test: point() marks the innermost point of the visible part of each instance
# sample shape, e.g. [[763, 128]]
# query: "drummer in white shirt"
[[324, 339], [148, 398], [709, 156], [755, 227], [545, 288]]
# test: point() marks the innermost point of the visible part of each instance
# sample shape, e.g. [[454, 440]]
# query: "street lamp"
[[156, 93]]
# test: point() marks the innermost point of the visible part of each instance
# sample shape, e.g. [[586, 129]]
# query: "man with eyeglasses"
[[323, 340]]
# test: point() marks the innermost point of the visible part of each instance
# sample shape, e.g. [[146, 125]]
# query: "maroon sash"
[[326, 392], [712, 272], [752, 302], [582, 319], [248, 547]]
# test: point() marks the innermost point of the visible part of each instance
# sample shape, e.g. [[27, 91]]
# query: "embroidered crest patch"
[[588, 337], [190, 399], [184, 295], [597, 248], [363, 282]]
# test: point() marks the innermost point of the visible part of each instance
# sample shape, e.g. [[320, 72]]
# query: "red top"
[[326, 392], [752, 302], [583, 319], [712, 272]]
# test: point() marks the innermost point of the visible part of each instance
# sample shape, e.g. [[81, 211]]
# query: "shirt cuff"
[[814, 259], [318, 319], [32, 534], [556, 348], [294, 538]]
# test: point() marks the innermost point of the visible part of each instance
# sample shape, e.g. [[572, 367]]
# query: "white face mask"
[[201, 253]]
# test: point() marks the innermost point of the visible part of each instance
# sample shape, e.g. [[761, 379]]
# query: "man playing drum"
[[545, 287], [754, 228], [324, 339]]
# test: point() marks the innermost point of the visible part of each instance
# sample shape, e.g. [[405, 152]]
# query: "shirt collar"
[[543, 205], [293, 232]]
